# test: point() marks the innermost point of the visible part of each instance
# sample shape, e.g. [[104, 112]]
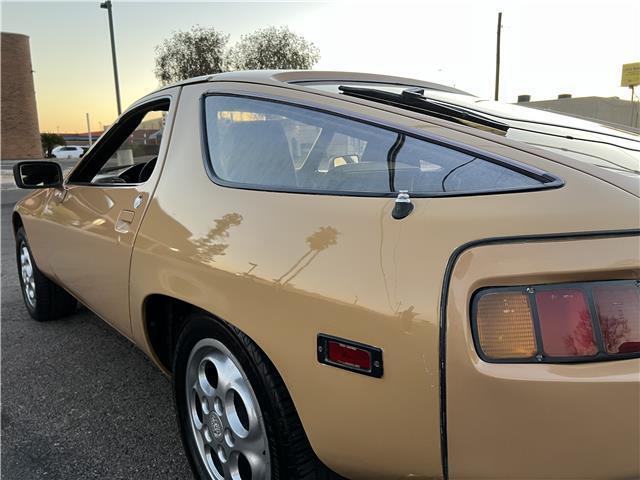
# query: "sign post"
[[631, 78]]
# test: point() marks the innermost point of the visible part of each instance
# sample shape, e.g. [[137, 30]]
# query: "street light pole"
[[89, 130], [107, 5], [495, 95]]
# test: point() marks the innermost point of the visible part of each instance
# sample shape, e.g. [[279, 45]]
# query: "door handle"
[[60, 194], [124, 221]]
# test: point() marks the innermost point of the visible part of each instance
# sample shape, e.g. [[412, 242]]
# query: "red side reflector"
[[349, 355], [618, 308], [565, 323]]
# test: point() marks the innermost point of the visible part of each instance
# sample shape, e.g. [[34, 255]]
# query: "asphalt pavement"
[[79, 401]]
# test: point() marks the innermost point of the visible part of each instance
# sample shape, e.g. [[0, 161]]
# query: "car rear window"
[[270, 145]]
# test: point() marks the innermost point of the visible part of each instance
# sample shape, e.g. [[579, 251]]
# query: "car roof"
[[278, 77]]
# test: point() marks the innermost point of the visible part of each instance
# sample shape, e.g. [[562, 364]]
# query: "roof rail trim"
[[300, 77], [329, 77]]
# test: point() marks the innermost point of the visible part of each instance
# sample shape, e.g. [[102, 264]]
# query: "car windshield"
[[600, 145]]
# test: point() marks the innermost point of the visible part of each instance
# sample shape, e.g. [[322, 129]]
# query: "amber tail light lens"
[[586, 321], [505, 325]]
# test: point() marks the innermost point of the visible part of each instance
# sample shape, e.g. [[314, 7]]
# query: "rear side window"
[[274, 146]]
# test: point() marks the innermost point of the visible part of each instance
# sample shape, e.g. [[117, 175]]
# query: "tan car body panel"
[[573, 421], [101, 224], [377, 281]]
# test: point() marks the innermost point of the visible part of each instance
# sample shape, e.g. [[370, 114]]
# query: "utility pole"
[[107, 5], [89, 130], [495, 95], [634, 115]]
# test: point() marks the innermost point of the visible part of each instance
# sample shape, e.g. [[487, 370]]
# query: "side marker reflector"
[[349, 355]]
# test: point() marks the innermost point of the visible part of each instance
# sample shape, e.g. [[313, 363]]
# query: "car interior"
[[346, 156], [128, 153]]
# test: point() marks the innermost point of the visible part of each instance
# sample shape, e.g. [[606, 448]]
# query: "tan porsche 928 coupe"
[[359, 276]]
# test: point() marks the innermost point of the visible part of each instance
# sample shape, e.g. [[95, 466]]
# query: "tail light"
[[558, 323]]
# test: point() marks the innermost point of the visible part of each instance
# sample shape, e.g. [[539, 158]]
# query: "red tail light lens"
[[618, 308], [565, 322], [558, 323]]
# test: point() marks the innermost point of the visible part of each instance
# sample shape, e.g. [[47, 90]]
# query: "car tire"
[[44, 299], [208, 414]]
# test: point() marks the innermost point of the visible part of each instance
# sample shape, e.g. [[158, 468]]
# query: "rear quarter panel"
[[577, 421]]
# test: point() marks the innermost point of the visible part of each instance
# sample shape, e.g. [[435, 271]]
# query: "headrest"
[[256, 152]]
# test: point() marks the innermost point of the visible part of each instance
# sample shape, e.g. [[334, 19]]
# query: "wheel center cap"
[[215, 425]]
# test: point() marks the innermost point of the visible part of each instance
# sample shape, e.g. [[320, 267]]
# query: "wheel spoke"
[[200, 441], [228, 377], [226, 469], [197, 386], [249, 445], [258, 463]]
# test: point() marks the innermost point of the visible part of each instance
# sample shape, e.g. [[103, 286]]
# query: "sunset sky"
[[549, 47]]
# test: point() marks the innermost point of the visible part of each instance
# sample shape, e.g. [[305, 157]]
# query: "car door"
[[96, 216]]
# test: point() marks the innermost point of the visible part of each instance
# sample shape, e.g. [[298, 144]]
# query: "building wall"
[[19, 130], [610, 111]]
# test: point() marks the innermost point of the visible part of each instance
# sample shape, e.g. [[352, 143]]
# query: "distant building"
[[148, 132], [80, 139], [611, 111], [19, 128]]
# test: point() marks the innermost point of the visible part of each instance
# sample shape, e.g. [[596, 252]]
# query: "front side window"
[[129, 151], [268, 145]]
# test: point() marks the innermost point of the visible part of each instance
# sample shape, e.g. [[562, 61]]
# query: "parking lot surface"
[[79, 401]]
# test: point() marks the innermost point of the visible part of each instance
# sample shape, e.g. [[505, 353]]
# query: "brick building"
[[19, 130]]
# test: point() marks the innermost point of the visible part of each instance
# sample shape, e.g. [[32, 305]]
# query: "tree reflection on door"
[[318, 241], [212, 245]]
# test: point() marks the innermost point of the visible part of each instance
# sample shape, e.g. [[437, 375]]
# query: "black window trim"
[[88, 157], [548, 180]]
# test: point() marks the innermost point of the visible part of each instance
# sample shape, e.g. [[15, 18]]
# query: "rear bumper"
[[539, 421]]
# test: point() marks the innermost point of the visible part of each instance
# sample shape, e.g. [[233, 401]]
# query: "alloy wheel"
[[226, 421], [28, 278]]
